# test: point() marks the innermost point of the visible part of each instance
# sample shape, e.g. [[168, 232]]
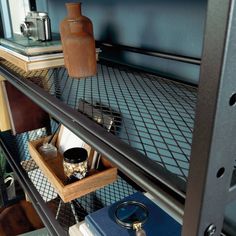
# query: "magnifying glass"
[[132, 215]]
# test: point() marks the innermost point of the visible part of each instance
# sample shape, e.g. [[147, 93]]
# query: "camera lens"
[[24, 29]]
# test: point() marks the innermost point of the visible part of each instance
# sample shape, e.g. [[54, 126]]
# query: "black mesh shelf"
[[64, 212], [153, 115], [82, 206]]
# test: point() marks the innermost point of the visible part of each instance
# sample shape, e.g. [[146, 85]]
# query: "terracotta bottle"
[[78, 43]]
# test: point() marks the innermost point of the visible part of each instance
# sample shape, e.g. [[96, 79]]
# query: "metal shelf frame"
[[153, 178], [213, 146], [214, 143]]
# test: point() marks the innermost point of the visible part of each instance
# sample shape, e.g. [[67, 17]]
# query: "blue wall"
[[173, 26], [5, 18]]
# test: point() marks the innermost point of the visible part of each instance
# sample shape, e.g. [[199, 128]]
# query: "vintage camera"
[[37, 26]]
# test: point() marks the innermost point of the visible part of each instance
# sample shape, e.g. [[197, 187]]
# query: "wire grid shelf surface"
[[66, 214], [152, 114]]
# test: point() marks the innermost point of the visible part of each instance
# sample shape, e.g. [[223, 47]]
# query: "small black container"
[[75, 162]]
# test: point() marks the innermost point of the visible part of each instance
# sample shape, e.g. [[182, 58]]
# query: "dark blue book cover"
[[158, 223]]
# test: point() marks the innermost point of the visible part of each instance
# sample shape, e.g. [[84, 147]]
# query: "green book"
[[28, 47]]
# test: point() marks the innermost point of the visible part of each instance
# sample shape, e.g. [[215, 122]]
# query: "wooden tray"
[[53, 170]]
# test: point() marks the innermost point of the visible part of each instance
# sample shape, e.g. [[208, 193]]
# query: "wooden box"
[[5, 123], [25, 115], [53, 170], [14, 110]]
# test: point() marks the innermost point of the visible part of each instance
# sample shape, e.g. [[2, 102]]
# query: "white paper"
[[68, 140]]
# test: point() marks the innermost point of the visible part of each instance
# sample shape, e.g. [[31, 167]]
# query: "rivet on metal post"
[[210, 231]]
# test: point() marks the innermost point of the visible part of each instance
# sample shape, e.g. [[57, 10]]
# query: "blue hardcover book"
[[158, 223]]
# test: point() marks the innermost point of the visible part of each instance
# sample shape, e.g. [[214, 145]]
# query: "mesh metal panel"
[[66, 213], [153, 115]]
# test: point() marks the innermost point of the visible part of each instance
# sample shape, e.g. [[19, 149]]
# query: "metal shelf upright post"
[[214, 143]]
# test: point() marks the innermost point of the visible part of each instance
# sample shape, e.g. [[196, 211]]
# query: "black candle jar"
[[75, 162]]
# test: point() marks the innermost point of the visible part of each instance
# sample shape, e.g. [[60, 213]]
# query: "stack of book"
[[33, 55], [103, 222], [29, 47]]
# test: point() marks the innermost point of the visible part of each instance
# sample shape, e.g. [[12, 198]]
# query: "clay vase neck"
[[74, 10], [78, 43], [74, 13]]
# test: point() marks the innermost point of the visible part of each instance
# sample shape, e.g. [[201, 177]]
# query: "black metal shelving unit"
[[156, 114], [174, 140], [57, 93]]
